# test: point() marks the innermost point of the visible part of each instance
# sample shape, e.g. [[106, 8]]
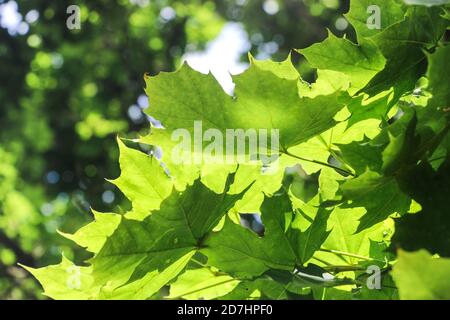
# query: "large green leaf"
[[240, 252], [380, 196], [140, 257], [290, 238], [346, 246], [402, 44], [359, 62], [266, 97], [177, 228], [262, 100], [362, 156], [419, 276]]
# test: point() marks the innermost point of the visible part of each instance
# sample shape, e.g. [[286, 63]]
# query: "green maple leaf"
[[402, 44], [403, 34], [362, 156], [240, 252], [309, 231], [380, 196], [264, 95], [346, 246], [290, 238], [359, 62], [262, 100], [419, 276], [142, 256], [177, 228], [377, 164]]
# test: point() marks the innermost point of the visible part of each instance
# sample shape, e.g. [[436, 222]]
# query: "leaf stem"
[[319, 162], [337, 269], [333, 152], [198, 262], [337, 282], [348, 254]]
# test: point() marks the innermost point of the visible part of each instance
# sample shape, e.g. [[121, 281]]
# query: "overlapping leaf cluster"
[[373, 128]]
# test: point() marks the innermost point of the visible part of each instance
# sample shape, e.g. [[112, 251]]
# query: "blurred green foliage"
[[64, 94]]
